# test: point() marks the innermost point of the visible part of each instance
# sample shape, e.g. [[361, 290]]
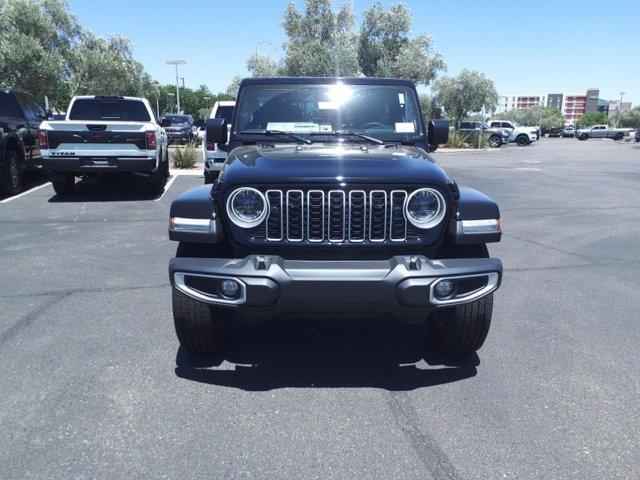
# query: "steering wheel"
[[375, 125]]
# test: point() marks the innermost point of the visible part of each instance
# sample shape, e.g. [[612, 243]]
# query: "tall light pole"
[[176, 63], [620, 108], [157, 84]]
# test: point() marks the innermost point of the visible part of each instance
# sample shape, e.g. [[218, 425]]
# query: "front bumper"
[[90, 164], [402, 286], [182, 136]]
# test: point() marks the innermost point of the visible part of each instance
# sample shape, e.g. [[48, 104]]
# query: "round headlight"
[[425, 208], [247, 207]]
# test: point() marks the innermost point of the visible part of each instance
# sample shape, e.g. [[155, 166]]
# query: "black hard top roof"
[[327, 80]]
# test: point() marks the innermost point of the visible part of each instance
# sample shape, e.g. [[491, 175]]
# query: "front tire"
[[200, 327], [495, 141], [11, 175], [464, 328], [522, 140], [584, 136], [619, 136], [63, 183]]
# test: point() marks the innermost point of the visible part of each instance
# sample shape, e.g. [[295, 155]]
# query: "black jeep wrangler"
[[329, 203]]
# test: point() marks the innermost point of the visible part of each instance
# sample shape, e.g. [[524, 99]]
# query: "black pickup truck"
[[329, 204], [20, 117]]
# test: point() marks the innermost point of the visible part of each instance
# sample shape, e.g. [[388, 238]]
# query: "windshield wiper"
[[345, 133], [275, 133]]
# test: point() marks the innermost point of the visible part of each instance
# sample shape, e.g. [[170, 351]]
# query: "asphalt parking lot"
[[94, 386]]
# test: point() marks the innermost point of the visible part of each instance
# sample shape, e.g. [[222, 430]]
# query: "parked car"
[[554, 131], [523, 136], [179, 128], [104, 135], [329, 203], [20, 117], [638, 135], [569, 131], [496, 137], [600, 131], [215, 153]]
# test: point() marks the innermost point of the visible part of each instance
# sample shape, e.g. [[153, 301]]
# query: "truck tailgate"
[[86, 138]]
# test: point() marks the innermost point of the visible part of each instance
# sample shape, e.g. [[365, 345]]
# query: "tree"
[[36, 43], [45, 51], [319, 42], [545, 117], [470, 91], [232, 89], [105, 66], [262, 65], [593, 118], [385, 49], [630, 118]]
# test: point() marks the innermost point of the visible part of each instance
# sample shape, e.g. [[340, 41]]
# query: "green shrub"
[[480, 141], [185, 156], [456, 140]]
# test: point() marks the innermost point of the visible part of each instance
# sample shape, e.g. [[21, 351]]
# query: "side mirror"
[[216, 130], [165, 122], [438, 133]]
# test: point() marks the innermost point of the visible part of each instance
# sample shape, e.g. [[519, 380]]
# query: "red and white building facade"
[[572, 105]]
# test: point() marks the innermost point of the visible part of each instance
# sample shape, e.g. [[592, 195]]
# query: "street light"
[[157, 84], [176, 63], [620, 108]]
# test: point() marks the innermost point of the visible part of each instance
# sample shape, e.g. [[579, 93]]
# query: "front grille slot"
[[315, 215], [397, 222], [357, 215], [274, 220], [295, 215], [336, 216], [377, 215]]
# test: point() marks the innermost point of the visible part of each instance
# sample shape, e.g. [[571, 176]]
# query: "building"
[[572, 105], [613, 105]]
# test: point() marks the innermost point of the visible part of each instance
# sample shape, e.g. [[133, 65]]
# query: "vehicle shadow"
[[116, 188], [327, 355]]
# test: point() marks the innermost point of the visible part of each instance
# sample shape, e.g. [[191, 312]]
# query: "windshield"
[[116, 109], [225, 112], [177, 119], [386, 112]]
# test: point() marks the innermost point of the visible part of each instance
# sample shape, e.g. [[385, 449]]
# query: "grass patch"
[[185, 156]]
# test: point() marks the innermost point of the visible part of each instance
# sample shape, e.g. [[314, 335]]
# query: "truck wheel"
[[63, 183], [584, 136], [200, 328], [495, 141], [619, 136], [11, 176], [157, 180], [464, 328], [522, 140]]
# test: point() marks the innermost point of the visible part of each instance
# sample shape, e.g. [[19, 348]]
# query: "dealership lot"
[[94, 385]]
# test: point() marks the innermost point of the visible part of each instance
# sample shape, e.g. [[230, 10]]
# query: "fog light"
[[230, 288], [443, 289]]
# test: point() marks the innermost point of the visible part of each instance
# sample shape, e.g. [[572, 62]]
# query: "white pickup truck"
[[104, 135], [523, 136], [601, 131]]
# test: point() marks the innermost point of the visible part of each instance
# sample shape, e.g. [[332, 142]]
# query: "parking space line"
[[26, 192], [166, 187]]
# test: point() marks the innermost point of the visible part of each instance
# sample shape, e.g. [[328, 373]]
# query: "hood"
[[339, 164]]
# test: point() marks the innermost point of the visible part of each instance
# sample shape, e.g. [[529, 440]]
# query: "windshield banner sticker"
[[405, 127], [295, 127]]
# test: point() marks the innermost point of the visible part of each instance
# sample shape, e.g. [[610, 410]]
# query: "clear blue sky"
[[546, 46]]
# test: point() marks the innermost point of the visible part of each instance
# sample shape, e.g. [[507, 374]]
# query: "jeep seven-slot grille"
[[335, 216]]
